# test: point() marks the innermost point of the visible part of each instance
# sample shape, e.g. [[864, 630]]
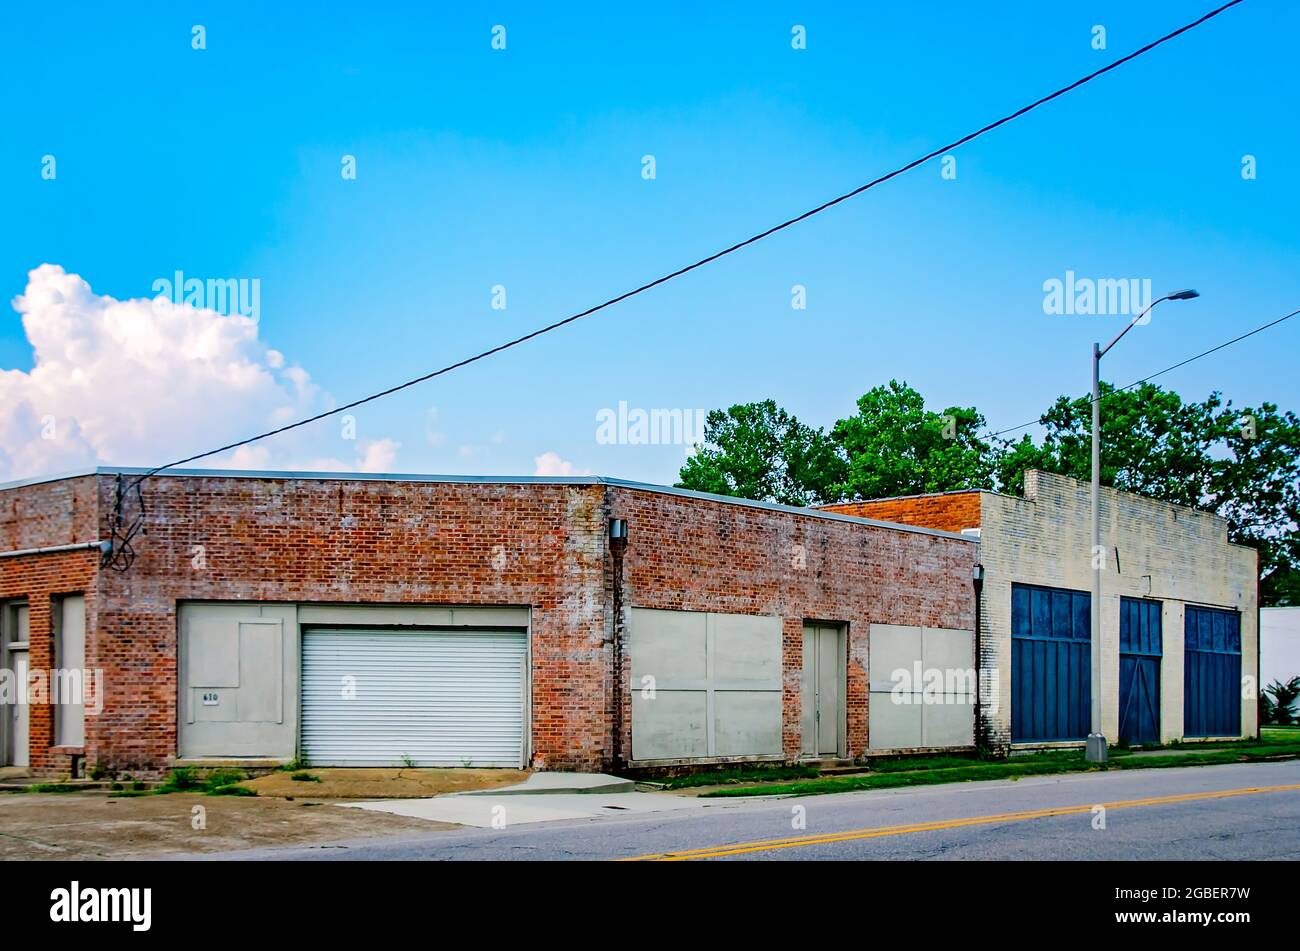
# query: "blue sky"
[[522, 167]]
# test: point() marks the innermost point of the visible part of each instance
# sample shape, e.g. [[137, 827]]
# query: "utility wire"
[[1148, 379], [712, 257]]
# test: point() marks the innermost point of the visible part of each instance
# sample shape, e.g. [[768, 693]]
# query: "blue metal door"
[[1051, 676], [1211, 672], [1140, 647]]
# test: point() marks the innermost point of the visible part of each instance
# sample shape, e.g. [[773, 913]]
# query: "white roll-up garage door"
[[435, 698]]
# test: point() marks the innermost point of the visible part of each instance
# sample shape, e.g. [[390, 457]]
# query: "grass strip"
[[750, 774], [975, 770]]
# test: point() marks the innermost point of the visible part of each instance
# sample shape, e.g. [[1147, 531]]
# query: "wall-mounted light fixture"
[[618, 529]]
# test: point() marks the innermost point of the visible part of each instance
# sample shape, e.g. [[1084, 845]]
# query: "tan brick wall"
[[1167, 552]]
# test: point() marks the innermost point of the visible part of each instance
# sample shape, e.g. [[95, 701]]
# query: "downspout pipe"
[[617, 549], [104, 547]]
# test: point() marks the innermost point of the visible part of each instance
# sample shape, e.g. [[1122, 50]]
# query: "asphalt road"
[[1193, 813]]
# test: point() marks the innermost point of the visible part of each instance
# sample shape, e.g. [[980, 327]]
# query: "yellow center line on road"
[[795, 842]]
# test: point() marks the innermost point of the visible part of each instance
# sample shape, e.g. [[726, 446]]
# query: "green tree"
[[893, 445], [1152, 443], [760, 451], [1243, 464], [1254, 482]]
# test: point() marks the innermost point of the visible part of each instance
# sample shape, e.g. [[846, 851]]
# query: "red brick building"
[[443, 620]]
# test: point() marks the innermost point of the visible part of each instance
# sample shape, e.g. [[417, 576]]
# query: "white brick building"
[[1168, 569]]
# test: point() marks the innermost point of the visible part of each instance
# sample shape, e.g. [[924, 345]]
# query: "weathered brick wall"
[[266, 539], [359, 541], [1167, 552], [947, 511], [41, 516], [46, 514], [693, 554]]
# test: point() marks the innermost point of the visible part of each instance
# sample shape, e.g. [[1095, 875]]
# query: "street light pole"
[[1096, 749]]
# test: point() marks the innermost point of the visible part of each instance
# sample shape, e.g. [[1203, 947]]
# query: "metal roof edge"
[[294, 474], [56, 477], [789, 509]]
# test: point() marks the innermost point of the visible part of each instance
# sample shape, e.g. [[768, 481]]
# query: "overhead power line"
[[1148, 379], [706, 260]]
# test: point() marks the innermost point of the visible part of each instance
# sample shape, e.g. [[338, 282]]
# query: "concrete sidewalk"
[[542, 797], [550, 784], [496, 810]]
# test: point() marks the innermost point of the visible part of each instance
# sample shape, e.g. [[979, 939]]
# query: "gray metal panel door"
[[823, 690], [704, 685], [237, 682], [434, 698], [829, 692], [921, 687]]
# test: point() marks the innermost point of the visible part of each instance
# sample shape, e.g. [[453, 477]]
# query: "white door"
[[19, 754], [70, 658], [18, 746], [429, 698]]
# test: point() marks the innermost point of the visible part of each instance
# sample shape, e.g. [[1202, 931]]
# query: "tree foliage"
[[1152, 443], [1241, 463], [1278, 702], [893, 445], [759, 451]]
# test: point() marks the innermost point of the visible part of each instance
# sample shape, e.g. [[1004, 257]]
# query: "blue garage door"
[[1139, 670], [1211, 672], [1050, 673]]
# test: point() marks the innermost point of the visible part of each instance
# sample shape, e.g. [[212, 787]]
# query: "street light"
[[1096, 750]]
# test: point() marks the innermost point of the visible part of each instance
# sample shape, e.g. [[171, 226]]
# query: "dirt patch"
[[96, 826], [383, 783]]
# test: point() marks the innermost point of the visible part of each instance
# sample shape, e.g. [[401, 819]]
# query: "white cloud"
[[550, 464], [143, 382], [378, 455]]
